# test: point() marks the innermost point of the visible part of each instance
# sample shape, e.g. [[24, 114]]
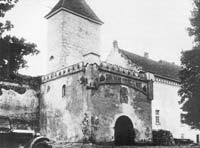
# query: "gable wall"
[[165, 99]]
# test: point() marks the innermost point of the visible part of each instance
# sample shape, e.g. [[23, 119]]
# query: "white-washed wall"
[[166, 101], [69, 38]]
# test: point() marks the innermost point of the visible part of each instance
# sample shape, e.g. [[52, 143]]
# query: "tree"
[[190, 73], [12, 49]]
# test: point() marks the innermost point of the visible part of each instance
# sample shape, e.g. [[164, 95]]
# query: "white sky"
[[154, 26]]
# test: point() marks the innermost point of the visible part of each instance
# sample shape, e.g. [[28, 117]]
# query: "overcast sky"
[[154, 26]]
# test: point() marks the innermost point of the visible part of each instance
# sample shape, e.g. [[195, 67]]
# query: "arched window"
[[63, 90], [123, 95], [51, 58]]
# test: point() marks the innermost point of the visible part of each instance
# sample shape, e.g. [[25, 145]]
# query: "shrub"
[[163, 138], [183, 142]]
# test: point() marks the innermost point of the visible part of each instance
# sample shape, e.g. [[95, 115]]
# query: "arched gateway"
[[124, 131]]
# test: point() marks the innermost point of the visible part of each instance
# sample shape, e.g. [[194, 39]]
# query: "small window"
[[157, 112], [63, 90], [123, 95], [197, 138], [48, 88], [51, 58], [182, 118], [182, 136]]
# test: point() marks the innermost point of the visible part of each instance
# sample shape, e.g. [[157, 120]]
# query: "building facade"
[[166, 110], [84, 99], [19, 100]]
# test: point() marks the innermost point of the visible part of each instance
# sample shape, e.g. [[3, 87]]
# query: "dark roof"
[[78, 7], [160, 69]]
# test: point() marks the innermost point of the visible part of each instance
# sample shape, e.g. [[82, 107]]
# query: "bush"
[[163, 138], [183, 142]]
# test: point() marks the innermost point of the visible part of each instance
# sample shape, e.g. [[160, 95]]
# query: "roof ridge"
[[166, 70], [167, 62]]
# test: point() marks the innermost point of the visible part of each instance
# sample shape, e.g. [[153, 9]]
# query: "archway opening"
[[124, 131]]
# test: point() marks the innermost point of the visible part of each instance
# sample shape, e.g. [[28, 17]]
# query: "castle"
[[84, 99]]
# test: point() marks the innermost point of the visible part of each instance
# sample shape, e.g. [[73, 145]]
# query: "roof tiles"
[[78, 7], [160, 69]]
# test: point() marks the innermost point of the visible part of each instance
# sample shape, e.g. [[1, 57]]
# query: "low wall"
[[97, 146], [20, 103]]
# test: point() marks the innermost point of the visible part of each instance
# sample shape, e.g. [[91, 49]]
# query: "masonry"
[[82, 99], [97, 98], [19, 101]]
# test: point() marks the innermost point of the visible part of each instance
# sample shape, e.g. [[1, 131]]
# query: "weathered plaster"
[[69, 38], [107, 107], [22, 109], [165, 99], [61, 117], [92, 104]]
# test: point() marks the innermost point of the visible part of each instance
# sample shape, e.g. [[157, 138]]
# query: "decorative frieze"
[[65, 71], [122, 71], [108, 78], [165, 81], [103, 66]]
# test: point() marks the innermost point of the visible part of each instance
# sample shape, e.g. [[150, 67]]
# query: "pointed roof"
[[77, 7]]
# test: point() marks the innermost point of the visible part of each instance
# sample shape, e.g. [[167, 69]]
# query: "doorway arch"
[[124, 131]]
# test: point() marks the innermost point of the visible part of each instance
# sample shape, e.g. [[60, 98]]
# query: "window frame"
[[157, 117]]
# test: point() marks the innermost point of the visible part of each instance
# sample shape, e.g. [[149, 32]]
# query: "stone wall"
[[62, 115], [70, 37], [95, 98], [119, 96], [20, 103]]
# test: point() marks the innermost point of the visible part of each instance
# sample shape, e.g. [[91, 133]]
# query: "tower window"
[[48, 88], [157, 113], [51, 58], [63, 90]]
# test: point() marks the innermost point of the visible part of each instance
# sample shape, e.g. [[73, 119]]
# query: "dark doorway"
[[197, 139], [124, 131]]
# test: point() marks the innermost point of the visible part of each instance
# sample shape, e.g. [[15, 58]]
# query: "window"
[[197, 138], [182, 136], [63, 90], [182, 118], [51, 58], [123, 95], [48, 88], [157, 112]]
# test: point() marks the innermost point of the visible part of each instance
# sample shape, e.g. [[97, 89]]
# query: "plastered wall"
[[69, 38]]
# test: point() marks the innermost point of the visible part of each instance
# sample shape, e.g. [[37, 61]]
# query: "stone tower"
[[73, 31]]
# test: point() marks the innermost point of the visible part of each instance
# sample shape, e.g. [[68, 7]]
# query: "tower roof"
[[77, 7]]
